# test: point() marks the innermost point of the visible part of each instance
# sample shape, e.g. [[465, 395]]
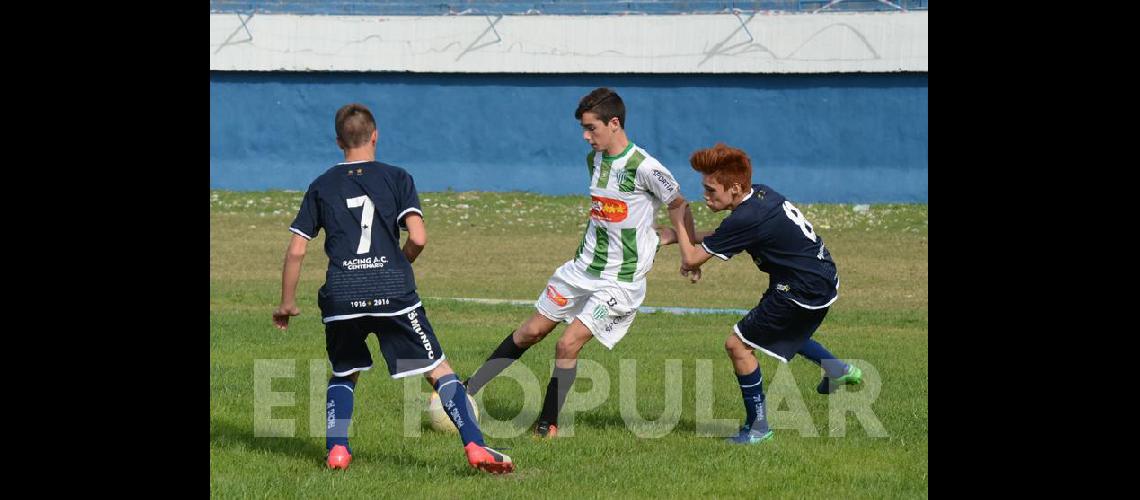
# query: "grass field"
[[504, 246]]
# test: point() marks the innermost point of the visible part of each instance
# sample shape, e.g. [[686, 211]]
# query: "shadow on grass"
[[613, 420], [226, 434]]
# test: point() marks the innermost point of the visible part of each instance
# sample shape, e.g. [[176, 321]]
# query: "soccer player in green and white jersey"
[[599, 290]]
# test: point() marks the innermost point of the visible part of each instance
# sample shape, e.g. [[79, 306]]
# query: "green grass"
[[505, 245]]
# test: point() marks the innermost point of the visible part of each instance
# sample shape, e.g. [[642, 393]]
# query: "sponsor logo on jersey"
[[617, 320], [365, 263], [665, 183], [608, 209], [556, 297], [423, 335]]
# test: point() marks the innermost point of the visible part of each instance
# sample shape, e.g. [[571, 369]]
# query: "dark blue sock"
[[453, 396], [833, 368], [338, 411], [752, 389]]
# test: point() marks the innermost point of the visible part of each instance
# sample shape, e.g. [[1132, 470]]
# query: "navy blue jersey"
[[782, 243], [361, 206]]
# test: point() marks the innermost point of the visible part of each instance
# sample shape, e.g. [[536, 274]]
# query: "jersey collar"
[[747, 197], [619, 155]]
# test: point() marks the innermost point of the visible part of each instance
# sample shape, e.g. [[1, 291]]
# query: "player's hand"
[[282, 314], [668, 235], [693, 273]]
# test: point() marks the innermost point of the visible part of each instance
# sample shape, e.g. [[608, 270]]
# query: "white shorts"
[[606, 308]]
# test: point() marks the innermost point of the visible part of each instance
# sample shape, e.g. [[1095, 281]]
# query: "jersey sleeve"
[[730, 238], [653, 177], [308, 221], [409, 200]]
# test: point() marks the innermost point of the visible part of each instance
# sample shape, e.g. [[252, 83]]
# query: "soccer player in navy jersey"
[[803, 279], [369, 286]]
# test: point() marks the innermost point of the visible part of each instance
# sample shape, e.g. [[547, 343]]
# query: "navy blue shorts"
[[407, 342], [778, 327]]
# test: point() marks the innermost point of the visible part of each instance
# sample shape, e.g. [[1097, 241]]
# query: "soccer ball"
[[439, 419]]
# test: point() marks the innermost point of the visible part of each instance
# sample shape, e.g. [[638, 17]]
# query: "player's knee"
[[529, 335], [567, 348], [735, 347], [442, 369]]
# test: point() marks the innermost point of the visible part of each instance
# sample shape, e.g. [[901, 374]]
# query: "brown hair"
[[354, 125], [724, 164], [603, 102]]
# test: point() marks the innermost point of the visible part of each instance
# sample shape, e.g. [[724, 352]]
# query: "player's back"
[[361, 206], [782, 243]]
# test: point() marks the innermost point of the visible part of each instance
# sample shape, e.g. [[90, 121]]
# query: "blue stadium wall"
[[839, 138]]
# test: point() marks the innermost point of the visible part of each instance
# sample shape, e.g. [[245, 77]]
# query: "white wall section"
[[698, 43]]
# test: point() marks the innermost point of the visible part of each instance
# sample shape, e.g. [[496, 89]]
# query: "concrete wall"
[[817, 138], [761, 42]]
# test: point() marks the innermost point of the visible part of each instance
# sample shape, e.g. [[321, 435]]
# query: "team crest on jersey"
[[782, 287], [608, 209], [556, 297], [599, 312], [621, 175]]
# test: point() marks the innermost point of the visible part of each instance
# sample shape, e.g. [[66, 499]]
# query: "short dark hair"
[[354, 125], [603, 102], [724, 164]]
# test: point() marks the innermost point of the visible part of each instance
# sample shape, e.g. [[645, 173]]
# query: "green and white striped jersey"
[[625, 192]]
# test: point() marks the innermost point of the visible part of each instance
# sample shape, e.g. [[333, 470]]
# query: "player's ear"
[[340, 143], [615, 123], [374, 137]]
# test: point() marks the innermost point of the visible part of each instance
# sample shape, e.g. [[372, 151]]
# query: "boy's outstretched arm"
[[691, 256], [677, 210], [417, 236], [694, 235], [290, 275], [668, 235]]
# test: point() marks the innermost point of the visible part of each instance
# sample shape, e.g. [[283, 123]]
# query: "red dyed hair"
[[724, 164]]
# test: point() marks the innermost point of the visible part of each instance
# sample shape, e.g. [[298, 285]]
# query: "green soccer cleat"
[[854, 376], [748, 436]]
